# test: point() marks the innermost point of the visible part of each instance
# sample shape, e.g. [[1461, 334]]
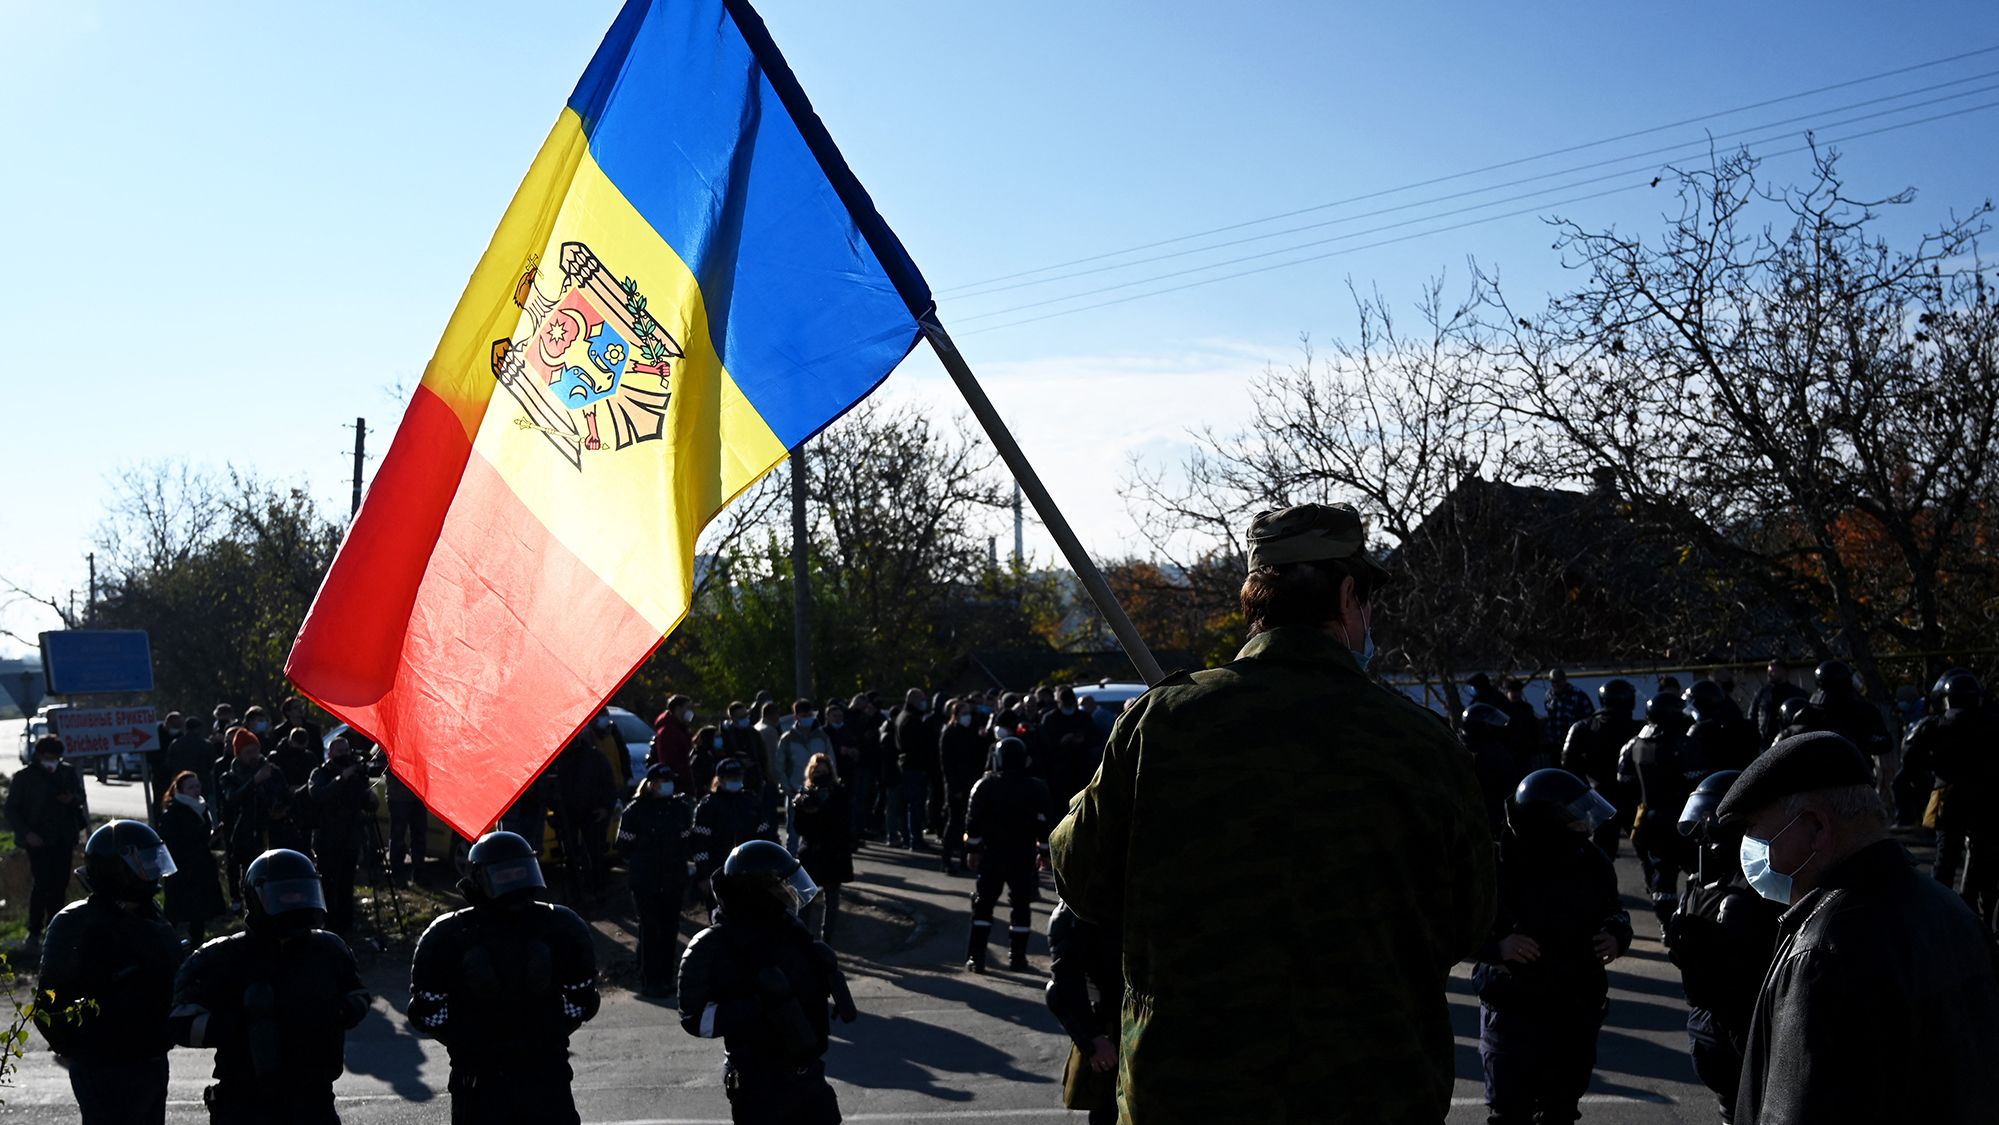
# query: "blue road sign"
[[90, 661]]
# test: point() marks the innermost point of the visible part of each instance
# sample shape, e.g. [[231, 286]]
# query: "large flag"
[[688, 283]]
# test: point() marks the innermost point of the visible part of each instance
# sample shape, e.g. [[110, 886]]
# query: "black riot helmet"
[[1962, 691], [1617, 697], [1697, 817], [283, 891], [1485, 717], [1834, 677], [1550, 801], [126, 860], [762, 878], [1936, 689], [1792, 710], [1705, 700], [1010, 756], [1664, 707], [501, 867]]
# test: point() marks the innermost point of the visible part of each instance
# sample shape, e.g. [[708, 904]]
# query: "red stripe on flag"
[[489, 619]]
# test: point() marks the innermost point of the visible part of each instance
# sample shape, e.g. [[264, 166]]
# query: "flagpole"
[[1044, 504]]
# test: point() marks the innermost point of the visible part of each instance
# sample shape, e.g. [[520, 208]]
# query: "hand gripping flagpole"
[[1044, 504]]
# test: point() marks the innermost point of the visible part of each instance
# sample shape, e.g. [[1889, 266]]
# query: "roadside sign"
[[90, 732], [97, 661]]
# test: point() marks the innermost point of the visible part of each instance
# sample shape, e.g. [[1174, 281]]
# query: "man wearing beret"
[[1881, 1003], [1286, 950]]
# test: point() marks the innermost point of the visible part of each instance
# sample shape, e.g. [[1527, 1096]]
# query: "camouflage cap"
[[1310, 533]]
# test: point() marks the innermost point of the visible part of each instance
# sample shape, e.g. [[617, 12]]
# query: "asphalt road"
[[933, 1044]]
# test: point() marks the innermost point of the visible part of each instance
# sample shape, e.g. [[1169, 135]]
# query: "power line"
[[1848, 83], [1678, 147], [1438, 230], [1570, 186]]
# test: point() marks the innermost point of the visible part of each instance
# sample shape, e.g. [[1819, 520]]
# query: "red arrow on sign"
[[137, 737]]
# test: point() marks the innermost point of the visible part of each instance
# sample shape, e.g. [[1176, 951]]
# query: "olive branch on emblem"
[[651, 349]]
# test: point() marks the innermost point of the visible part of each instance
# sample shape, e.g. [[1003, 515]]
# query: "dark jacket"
[[916, 737], [654, 836], [276, 1013], [1881, 1004], [1591, 751], [1082, 959], [1853, 718], [963, 754], [1074, 748], [584, 779], [1008, 818], [722, 821], [253, 807], [761, 985], [672, 743], [1558, 889], [825, 822], [195, 754], [1721, 938], [340, 798], [1664, 764], [503, 985], [194, 894], [1763, 711], [115, 966], [49, 803]]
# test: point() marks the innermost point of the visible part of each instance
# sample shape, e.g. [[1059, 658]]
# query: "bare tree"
[[1812, 411]]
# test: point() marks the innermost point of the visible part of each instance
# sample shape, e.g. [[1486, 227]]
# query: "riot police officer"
[[1657, 762], [1966, 761], [502, 984], [1495, 759], [108, 978], [1591, 749], [653, 835], [1006, 841], [1722, 739], [275, 1002], [1541, 982], [759, 982], [1721, 938]]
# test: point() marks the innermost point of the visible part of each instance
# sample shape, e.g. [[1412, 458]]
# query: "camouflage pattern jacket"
[[1295, 857]]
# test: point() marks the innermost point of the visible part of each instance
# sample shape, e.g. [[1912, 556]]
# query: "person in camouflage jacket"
[[1286, 961]]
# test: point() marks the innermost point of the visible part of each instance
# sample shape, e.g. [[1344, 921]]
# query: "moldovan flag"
[[688, 283]]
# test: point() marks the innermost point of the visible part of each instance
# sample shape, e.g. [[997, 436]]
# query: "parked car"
[[1111, 695], [31, 733]]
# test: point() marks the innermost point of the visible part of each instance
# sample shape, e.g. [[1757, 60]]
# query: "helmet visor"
[[800, 888], [1590, 810], [150, 864], [509, 875], [282, 896]]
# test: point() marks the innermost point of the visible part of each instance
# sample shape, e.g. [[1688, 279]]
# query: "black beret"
[[1802, 763]]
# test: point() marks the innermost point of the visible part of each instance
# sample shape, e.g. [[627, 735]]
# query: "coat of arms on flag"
[[589, 354]]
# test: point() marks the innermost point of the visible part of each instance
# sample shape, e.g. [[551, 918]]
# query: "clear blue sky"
[[232, 228]]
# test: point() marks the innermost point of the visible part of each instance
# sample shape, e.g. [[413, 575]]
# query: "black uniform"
[[761, 984], [1538, 1021], [1966, 760], [340, 797], [654, 835], [1497, 761], [503, 985], [1723, 743], [1662, 763], [962, 752], [722, 821], [824, 817], [51, 805], [1763, 711], [1072, 745], [1846, 714], [276, 1011], [112, 964], [1721, 940], [1006, 826], [1591, 752], [588, 790], [256, 814], [1083, 958]]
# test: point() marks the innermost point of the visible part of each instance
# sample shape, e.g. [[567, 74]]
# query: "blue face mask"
[[1764, 879], [1364, 655], [732, 787]]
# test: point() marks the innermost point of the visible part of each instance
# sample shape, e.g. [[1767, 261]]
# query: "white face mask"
[[1068, 710], [662, 788], [964, 720], [732, 787], [687, 715], [50, 764], [1763, 879]]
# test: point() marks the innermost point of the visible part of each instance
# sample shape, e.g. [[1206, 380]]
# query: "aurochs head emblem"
[[591, 367]]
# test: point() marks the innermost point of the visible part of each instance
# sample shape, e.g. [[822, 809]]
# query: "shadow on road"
[[385, 1049], [902, 1054]]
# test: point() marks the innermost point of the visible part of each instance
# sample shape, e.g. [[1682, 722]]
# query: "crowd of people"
[[1194, 959]]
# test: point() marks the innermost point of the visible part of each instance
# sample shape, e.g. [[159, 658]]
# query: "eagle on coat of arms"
[[590, 369]]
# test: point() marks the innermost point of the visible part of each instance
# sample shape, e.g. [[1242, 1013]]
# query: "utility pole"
[[801, 580], [360, 455], [1019, 529], [90, 602]]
